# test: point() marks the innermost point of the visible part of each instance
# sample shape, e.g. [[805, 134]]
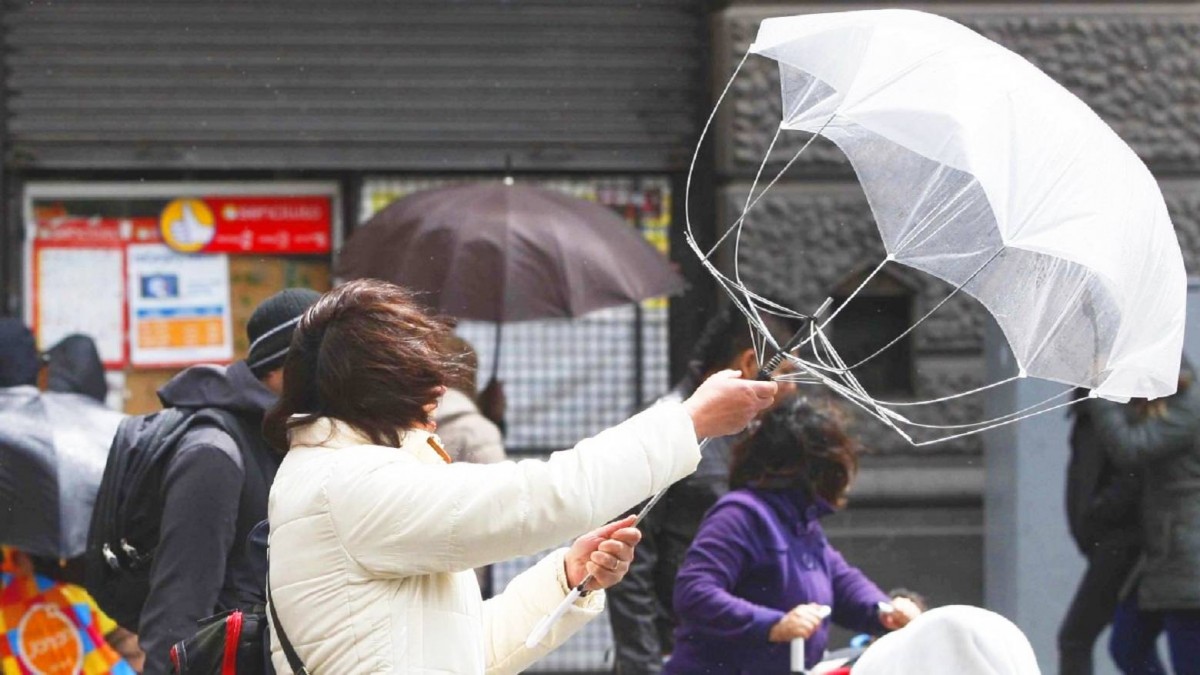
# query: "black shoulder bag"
[[235, 642]]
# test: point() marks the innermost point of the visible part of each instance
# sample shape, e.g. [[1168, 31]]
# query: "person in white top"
[[374, 532], [952, 639]]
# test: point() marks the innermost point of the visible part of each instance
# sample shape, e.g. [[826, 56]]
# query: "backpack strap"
[[293, 659], [130, 471]]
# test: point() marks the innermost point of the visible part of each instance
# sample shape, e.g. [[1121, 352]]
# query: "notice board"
[[164, 276]]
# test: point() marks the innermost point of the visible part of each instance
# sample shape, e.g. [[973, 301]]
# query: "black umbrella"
[[53, 447], [508, 252]]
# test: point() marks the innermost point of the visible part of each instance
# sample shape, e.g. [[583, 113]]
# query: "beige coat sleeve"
[[405, 518], [510, 617]]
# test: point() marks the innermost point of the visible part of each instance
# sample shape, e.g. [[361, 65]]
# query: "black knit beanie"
[[271, 326]]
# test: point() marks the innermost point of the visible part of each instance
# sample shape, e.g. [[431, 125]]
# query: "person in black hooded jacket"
[[214, 492], [1102, 514]]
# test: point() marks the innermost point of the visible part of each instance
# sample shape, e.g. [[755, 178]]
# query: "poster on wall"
[[81, 272], [179, 310], [62, 275]]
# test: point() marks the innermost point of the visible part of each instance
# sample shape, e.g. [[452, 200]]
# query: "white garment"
[[372, 547], [952, 640]]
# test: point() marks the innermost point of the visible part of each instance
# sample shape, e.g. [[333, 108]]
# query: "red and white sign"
[[267, 225]]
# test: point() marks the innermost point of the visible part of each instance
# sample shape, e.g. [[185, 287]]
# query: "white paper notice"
[[178, 307], [81, 290]]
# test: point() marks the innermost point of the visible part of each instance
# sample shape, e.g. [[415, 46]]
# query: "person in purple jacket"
[[760, 571]]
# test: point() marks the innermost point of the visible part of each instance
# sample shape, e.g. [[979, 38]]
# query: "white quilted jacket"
[[372, 547]]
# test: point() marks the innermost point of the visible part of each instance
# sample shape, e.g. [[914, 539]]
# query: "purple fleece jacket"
[[758, 554]]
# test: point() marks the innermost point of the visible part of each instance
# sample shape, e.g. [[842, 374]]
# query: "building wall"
[[1138, 66]]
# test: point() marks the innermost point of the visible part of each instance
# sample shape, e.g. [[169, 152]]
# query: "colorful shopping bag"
[[52, 628]]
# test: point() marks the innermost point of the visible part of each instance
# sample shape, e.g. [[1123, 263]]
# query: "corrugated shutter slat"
[[359, 84]]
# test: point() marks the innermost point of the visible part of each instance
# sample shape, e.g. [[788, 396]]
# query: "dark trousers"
[[1135, 635], [640, 625], [1093, 606]]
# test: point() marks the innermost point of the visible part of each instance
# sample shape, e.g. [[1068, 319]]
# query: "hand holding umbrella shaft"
[[764, 374]]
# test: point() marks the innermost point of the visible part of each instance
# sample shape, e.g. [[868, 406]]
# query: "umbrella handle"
[[542, 629], [496, 352]]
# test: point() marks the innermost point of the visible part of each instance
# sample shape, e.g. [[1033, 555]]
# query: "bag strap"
[[293, 659]]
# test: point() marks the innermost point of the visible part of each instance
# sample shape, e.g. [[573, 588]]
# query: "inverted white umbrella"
[[982, 171]]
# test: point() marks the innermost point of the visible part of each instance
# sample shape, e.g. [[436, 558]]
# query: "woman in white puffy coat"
[[374, 532]]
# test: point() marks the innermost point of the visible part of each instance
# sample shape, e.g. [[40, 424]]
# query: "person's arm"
[[403, 519], [1135, 443], [723, 548], [855, 597], [202, 489], [509, 618], [633, 605], [125, 643]]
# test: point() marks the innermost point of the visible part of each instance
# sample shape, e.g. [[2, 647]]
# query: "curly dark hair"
[[798, 444], [365, 354]]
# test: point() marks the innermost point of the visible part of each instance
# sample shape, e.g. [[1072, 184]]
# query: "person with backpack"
[[202, 471]]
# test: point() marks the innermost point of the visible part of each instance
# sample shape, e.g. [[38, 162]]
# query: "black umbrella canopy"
[[508, 252], [53, 447]]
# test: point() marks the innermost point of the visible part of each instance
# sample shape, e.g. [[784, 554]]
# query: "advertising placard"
[[237, 224], [179, 309]]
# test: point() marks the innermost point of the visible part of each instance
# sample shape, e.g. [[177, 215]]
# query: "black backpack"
[[127, 517]]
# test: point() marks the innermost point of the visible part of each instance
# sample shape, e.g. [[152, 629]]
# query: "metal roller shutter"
[[356, 84]]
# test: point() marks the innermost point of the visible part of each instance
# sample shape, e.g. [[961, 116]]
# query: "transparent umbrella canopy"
[[983, 172]]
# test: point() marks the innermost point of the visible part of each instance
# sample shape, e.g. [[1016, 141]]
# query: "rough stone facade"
[[1136, 65]]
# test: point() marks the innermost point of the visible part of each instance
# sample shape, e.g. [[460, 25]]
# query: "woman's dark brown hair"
[[798, 445], [365, 354]]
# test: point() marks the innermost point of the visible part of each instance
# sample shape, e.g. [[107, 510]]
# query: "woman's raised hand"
[[801, 622], [902, 611], [725, 403]]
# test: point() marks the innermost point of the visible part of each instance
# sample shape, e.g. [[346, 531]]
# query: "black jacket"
[[1102, 499], [213, 495], [640, 607]]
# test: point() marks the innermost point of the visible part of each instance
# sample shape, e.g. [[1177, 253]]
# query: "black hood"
[[234, 388], [75, 368]]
